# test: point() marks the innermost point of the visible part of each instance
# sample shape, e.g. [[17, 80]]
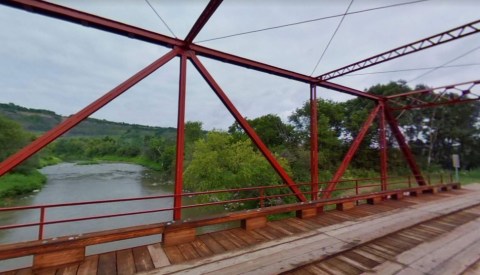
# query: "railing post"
[[356, 187], [42, 221], [262, 198], [180, 145], [313, 143], [409, 182]]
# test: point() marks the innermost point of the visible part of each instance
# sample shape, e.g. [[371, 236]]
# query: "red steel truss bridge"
[[62, 251]]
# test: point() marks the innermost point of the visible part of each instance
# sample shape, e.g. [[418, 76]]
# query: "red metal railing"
[[350, 187]]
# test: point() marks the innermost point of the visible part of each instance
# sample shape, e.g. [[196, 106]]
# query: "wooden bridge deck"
[[368, 238]]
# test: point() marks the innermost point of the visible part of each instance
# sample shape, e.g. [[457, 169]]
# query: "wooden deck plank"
[[346, 267], [234, 239], [316, 270], [188, 251], [212, 244], [386, 224], [287, 227], [258, 237], [473, 269], [368, 255], [142, 259], [279, 230], [107, 264], [331, 268], [223, 241], [68, 270], [174, 255], [125, 262], [201, 248], [299, 227], [159, 257], [89, 266], [265, 233], [244, 235]]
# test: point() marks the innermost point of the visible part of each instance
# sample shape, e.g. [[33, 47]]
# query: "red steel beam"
[[313, 143], [426, 91], [351, 152], [436, 104], [202, 20], [246, 127], [383, 147], [82, 18], [392, 121], [434, 40], [92, 21], [177, 201], [14, 160]]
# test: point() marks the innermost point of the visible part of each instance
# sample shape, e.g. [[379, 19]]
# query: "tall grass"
[[15, 184], [469, 176]]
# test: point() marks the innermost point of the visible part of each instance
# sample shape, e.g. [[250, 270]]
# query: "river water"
[[69, 182]]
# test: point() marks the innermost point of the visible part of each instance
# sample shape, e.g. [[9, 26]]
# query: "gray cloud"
[[60, 66]]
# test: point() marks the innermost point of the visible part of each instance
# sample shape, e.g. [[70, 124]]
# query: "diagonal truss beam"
[[441, 38], [97, 22], [246, 127], [14, 160], [202, 20], [392, 121], [351, 152]]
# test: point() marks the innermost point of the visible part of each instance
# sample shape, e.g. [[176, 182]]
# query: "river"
[[70, 182]]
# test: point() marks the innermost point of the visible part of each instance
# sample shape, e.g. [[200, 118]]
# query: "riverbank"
[[16, 184]]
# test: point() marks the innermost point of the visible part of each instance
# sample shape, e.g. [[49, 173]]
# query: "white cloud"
[[50, 64]]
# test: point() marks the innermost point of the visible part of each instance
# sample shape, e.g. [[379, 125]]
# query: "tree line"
[[220, 159]]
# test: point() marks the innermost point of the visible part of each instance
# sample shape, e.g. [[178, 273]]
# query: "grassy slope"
[[12, 185]]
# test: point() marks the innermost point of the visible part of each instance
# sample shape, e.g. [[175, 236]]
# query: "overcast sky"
[[55, 65]]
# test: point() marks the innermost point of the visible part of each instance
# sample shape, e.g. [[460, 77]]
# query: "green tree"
[[221, 162], [12, 139], [271, 129]]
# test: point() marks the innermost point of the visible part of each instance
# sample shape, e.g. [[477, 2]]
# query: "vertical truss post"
[[14, 160], [313, 142], [351, 152], [247, 128], [383, 147], [392, 121], [177, 202]]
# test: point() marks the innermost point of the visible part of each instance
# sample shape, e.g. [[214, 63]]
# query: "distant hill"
[[39, 121]]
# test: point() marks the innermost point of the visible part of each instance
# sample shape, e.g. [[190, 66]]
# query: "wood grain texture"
[[58, 258]]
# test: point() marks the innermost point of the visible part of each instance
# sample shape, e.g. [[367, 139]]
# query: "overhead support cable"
[[111, 26], [444, 64], [331, 38], [161, 19], [441, 38], [309, 21]]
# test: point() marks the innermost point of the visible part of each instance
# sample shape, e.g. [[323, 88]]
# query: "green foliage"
[[15, 184], [221, 162], [470, 176], [271, 129]]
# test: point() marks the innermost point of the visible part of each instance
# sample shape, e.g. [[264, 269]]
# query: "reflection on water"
[[69, 182]]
